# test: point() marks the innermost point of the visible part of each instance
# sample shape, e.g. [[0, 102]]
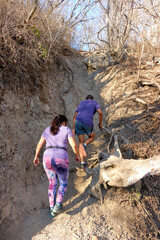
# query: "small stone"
[[94, 238], [38, 212]]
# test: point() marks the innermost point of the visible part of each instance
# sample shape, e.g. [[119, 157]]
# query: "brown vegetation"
[[28, 42]]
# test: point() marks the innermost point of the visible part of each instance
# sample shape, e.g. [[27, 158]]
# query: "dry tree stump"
[[119, 172]]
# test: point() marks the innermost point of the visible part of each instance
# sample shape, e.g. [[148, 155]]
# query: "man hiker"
[[83, 124]]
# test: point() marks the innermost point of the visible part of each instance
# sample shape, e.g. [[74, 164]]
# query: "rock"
[[94, 238]]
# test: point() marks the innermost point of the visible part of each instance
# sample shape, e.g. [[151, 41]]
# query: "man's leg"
[[80, 132], [82, 152], [82, 141], [90, 139]]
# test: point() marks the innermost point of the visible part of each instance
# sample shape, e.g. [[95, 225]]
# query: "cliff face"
[[24, 116], [25, 113]]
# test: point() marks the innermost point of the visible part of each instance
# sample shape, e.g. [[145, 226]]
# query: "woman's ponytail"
[[56, 123]]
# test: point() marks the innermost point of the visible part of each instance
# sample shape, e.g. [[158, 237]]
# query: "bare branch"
[[32, 11], [98, 35], [153, 84], [89, 43], [138, 100]]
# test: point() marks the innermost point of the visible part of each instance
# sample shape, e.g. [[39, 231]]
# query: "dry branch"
[[138, 100], [152, 84], [116, 145], [32, 11], [154, 115]]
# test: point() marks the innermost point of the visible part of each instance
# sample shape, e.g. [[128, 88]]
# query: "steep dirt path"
[[84, 217]]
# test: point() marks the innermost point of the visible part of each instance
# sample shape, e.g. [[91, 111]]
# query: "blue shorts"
[[81, 129]]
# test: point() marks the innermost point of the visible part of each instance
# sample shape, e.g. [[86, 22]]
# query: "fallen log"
[[116, 171], [125, 172], [120, 172]]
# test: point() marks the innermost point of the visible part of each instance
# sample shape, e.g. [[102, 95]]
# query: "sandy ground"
[[121, 215], [83, 218]]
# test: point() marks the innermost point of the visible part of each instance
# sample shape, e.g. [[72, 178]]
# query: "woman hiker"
[[55, 160]]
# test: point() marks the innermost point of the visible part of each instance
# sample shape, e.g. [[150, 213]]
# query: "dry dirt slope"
[[125, 213]]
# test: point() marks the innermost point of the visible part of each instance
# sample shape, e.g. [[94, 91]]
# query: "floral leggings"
[[55, 169]]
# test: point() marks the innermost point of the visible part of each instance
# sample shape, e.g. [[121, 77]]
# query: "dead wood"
[[116, 145], [116, 171], [32, 11], [154, 115], [138, 100], [152, 84], [120, 172]]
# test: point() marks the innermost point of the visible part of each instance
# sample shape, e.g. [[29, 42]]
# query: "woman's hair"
[[56, 123]]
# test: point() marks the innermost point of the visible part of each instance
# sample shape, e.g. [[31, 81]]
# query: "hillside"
[[126, 213]]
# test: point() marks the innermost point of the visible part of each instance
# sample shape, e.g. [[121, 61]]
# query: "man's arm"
[[74, 119], [100, 118]]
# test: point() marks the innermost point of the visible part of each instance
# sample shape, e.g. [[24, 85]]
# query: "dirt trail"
[[83, 218]]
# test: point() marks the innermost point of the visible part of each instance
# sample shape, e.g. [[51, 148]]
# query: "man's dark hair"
[[89, 97]]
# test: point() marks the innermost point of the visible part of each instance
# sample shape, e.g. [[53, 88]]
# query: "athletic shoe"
[[52, 214], [57, 209], [83, 165], [85, 147]]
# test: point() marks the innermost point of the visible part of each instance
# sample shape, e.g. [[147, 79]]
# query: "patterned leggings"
[[55, 169]]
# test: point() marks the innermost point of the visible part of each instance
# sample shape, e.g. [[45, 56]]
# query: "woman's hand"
[[36, 161], [40, 144], [77, 158]]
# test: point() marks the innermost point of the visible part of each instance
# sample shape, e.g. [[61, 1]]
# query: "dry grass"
[[145, 140], [25, 47]]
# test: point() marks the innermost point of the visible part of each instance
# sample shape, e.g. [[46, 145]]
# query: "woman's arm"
[[74, 146], [40, 144]]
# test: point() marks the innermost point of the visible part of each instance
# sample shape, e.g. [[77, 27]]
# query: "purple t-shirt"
[[60, 139], [86, 110]]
